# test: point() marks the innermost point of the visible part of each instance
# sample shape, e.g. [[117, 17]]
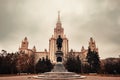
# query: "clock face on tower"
[[23, 42], [58, 30]]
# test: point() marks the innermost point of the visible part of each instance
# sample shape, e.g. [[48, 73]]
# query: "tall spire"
[[58, 17], [58, 24], [25, 39]]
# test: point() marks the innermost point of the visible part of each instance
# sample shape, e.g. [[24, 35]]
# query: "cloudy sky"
[[81, 19]]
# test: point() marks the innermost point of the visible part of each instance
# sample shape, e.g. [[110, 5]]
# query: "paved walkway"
[[88, 78]]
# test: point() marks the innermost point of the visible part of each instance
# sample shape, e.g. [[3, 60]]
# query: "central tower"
[[58, 30]]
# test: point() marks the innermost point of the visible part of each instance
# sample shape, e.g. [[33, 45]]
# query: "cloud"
[[81, 19]]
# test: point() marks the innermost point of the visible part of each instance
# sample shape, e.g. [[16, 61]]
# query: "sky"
[[81, 19]]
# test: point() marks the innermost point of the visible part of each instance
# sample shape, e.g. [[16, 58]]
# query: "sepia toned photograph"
[[59, 40]]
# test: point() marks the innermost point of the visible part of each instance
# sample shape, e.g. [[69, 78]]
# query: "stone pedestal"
[[59, 67], [59, 56], [59, 72]]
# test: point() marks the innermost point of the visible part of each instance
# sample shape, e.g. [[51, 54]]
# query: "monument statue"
[[59, 72], [59, 43]]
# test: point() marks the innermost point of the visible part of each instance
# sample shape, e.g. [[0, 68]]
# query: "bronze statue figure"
[[59, 43]]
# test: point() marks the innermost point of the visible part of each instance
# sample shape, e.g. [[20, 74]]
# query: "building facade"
[[58, 30]]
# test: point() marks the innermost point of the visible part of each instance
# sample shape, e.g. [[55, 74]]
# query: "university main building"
[[58, 30]]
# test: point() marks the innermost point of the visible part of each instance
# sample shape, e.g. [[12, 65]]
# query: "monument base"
[[59, 67], [59, 72], [59, 76], [59, 56]]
